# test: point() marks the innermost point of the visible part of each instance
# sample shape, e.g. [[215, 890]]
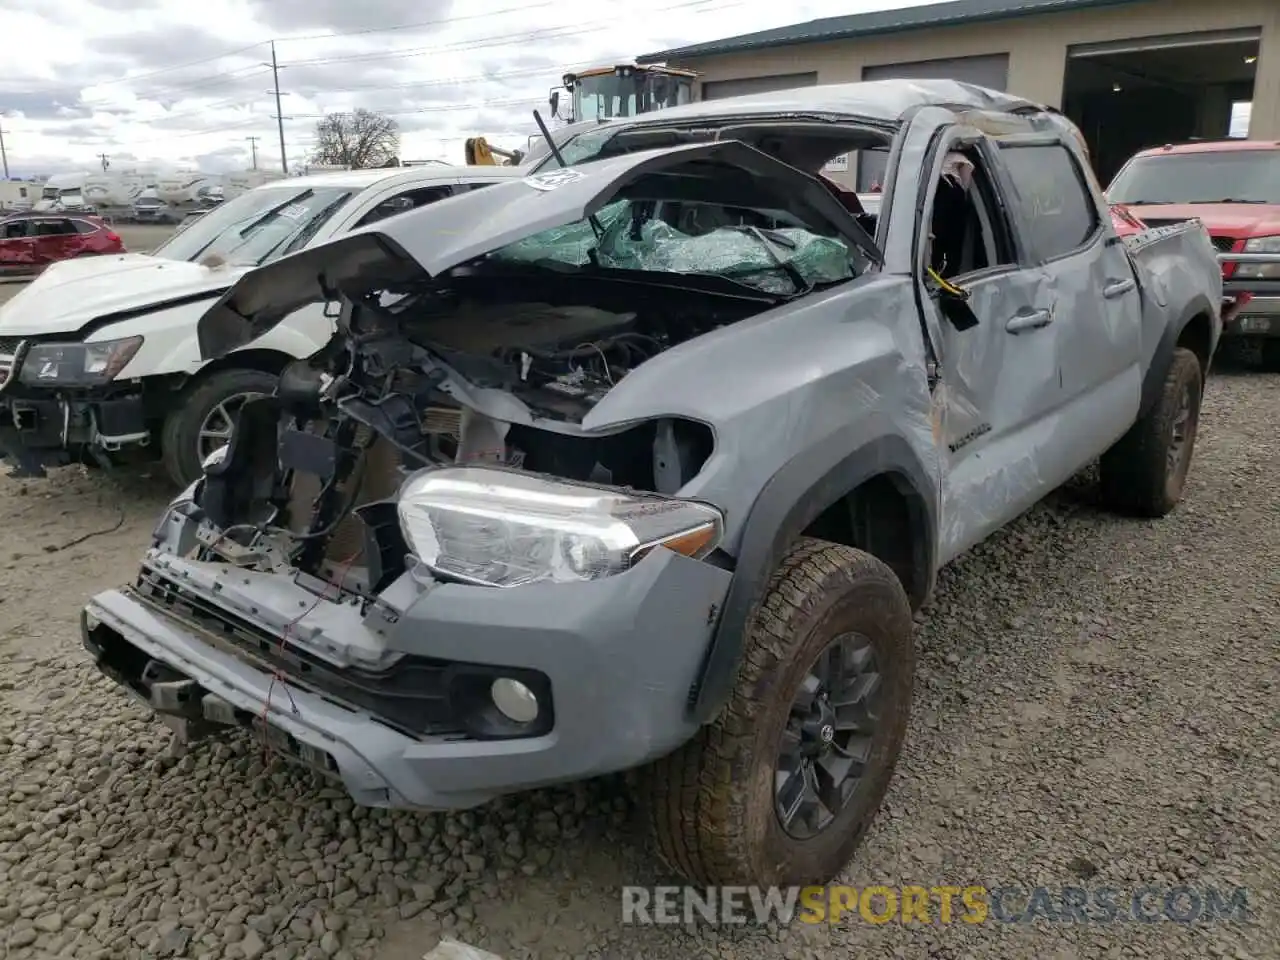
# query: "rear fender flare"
[[793, 498], [1153, 382]]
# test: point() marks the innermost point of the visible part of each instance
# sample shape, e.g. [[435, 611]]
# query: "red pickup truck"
[[1233, 188]]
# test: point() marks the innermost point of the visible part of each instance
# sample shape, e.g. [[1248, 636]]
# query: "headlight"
[[78, 364], [503, 528], [1260, 271]]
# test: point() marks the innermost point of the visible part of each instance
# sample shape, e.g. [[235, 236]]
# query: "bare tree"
[[359, 139]]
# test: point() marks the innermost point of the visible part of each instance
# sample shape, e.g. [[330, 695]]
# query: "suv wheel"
[[1145, 472], [782, 786], [203, 418]]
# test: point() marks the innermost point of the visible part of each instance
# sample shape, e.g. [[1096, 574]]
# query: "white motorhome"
[[185, 191], [63, 191], [234, 184], [18, 195]]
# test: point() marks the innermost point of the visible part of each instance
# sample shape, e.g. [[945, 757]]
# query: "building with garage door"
[[1130, 73]]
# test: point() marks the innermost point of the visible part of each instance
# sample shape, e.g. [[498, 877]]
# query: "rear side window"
[[84, 226], [54, 228], [15, 229], [1053, 200], [404, 202]]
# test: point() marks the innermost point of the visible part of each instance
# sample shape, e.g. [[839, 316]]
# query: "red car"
[[29, 242], [1233, 188]]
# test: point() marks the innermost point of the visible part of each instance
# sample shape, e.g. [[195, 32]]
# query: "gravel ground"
[[1096, 699]]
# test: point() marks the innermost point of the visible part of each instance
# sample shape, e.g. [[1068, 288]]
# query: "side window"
[[968, 231], [1052, 196], [15, 229], [477, 185], [83, 226], [54, 228], [401, 203]]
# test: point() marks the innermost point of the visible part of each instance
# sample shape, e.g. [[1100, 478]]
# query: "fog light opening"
[[514, 700]]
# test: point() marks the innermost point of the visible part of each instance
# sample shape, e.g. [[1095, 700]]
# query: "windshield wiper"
[[767, 240], [303, 237], [271, 213], [257, 222]]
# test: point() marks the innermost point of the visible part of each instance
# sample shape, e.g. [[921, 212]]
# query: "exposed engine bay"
[[454, 371]]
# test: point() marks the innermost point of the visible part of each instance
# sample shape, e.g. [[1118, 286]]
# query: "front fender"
[[170, 344], [794, 497]]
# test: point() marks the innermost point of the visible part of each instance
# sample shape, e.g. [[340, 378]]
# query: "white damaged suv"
[[98, 357]]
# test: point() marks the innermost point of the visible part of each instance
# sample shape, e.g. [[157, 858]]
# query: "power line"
[[561, 32], [334, 35], [548, 33]]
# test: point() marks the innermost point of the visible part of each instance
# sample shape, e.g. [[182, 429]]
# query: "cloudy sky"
[[179, 82]]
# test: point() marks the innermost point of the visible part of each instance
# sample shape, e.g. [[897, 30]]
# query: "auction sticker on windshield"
[[295, 211], [554, 178]]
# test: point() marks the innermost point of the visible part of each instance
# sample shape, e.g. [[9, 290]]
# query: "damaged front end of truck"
[[460, 551]]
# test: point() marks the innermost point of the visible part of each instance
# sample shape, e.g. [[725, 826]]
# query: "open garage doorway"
[[1131, 94]]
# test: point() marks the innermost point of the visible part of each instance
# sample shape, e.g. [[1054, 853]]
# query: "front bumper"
[[620, 654], [1259, 317], [53, 430]]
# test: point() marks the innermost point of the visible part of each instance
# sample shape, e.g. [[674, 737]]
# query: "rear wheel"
[[781, 788], [204, 417], [1145, 472]]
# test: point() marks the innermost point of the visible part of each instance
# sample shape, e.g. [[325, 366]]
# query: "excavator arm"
[[480, 153]]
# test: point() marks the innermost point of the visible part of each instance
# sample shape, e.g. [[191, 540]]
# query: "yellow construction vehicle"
[[481, 153], [624, 90]]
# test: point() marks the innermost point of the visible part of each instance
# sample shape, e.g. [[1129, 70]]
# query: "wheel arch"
[[877, 497], [1197, 329], [260, 359]]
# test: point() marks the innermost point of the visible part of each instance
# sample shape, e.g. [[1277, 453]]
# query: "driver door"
[[997, 385]]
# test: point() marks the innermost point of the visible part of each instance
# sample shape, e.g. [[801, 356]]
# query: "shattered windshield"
[[256, 226], [768, 250]]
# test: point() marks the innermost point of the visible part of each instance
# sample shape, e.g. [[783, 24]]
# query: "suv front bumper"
[[621, 656], [38, 432]]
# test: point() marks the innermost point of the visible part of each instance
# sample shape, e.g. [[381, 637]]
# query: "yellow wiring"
[[951, 288]]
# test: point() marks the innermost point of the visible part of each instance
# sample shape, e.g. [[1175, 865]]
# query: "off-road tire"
[[1135, 475], [180, 436], [711, 803]]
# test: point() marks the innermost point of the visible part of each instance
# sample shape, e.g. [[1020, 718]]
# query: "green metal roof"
[[879, 22]]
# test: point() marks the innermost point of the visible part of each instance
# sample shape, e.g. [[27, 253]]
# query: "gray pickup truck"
[[646, 460]]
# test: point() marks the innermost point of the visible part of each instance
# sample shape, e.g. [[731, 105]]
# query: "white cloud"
[[175, 82]]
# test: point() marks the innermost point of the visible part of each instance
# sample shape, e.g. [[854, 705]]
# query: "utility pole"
[[106, 162], [3, 155], [253, 145], [275, 73]]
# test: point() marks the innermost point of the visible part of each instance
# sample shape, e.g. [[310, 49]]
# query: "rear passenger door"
[[1089, 288], [53, 237]]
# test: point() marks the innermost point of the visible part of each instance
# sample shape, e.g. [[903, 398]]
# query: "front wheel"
[[781, 787], [1145, 472], [203, 419]]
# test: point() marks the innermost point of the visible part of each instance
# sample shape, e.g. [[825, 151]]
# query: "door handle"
[[1117, 288], [1023, 322]]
